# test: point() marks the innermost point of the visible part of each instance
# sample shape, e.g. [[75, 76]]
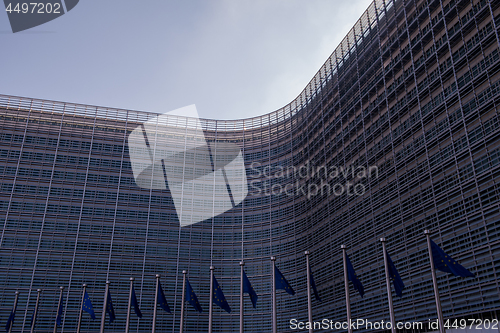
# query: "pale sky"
[[232, 58]]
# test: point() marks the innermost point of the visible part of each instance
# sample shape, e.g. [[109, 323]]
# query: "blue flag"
[[59, 312], [162, 301], [394, 276], [281, 282], [87, 305], [32, 317], [109, 308], [218, 296], [351, 274], [313, 285], [191, 296], [247, 288], [135, 304], [10, 321], [447, 264]]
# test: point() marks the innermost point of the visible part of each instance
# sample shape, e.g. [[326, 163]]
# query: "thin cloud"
[[233, 59]]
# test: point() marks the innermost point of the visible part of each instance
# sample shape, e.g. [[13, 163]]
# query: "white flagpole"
[[434, 282], [105, 305], [36, 310], [241, 297], [183, 299], [127, 325], [309, 301], [156, 302], [15, 308], [81, 309], [59, 303], [275, 317], [346, 286], [211, 306], [388, 285]]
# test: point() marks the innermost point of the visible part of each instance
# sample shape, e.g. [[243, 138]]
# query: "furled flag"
[[109, 308], [10, 321], [162, 301], [313, 285], [394, 275], [218, 296], [32, 317], [351, 274], [135, 304], [59, 312], [191, 296], [247, 288], [87, 305], [447, 264], [281, 282]]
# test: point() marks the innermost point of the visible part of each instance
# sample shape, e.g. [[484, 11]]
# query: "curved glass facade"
[[399, 131]]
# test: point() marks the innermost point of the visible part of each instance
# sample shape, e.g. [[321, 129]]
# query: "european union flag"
[[32, 317], [162, 301], [10, 321], [191, 296], [351, 274], [59, 312], [313, 285], [109, 308], [281, 282], [218, 296], [247, 288], [135, 304], [87, 305], [394, 276], [447, 264]]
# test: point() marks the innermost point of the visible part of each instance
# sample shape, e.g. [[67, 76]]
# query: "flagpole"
[[309, 302], [434, 282], [346, 286], [127, 325], [105, 305], [81, 309], [36, 310], [156, 302], [241, 297], [211, 306], [388, 285], [183, 299], [275, 318], [60, 299], [15, 307]]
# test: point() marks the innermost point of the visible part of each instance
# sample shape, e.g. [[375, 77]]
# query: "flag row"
[[438, 258]]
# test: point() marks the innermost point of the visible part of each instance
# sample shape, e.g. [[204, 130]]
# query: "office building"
[[399, 131]]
